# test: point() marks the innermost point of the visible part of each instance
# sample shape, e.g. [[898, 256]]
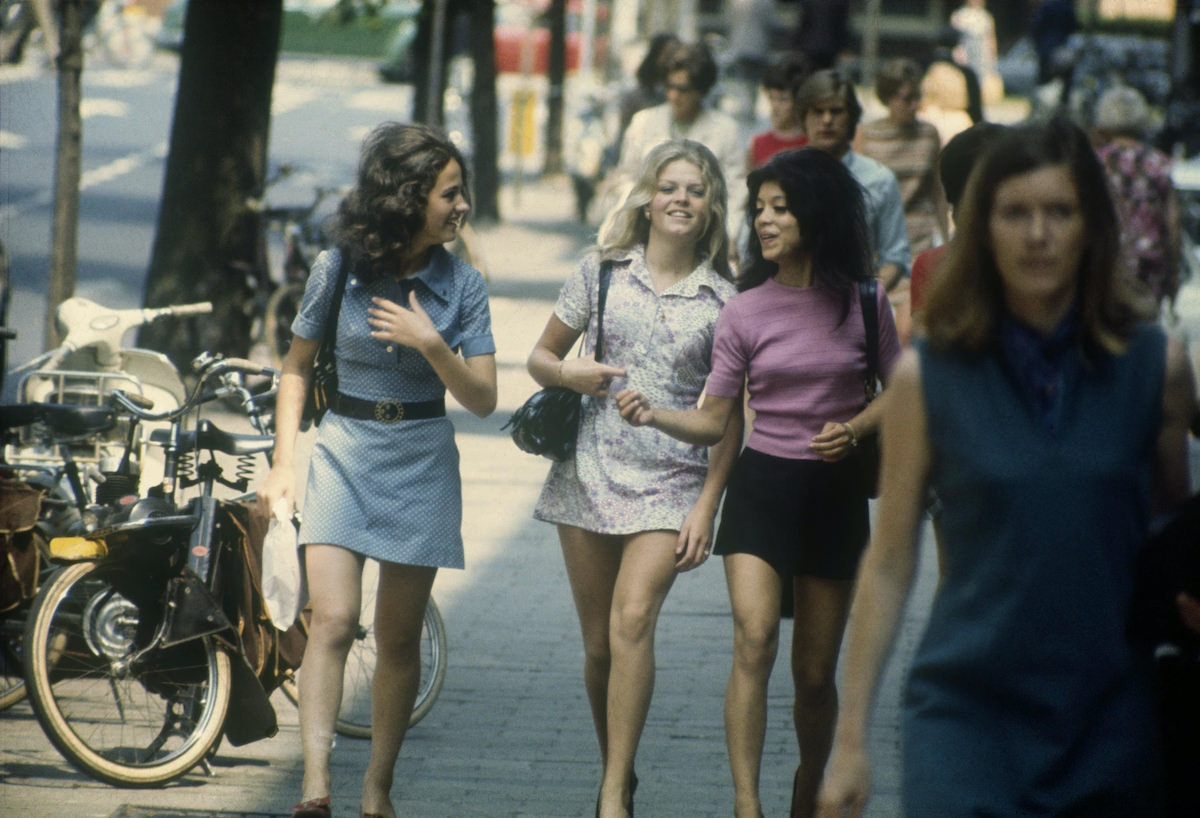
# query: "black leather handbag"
[[867, 452], [547, 423], [324, 386]]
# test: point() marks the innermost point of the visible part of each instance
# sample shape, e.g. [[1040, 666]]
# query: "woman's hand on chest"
[[410, 326]]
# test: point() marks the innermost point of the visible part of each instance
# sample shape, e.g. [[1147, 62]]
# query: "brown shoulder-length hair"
[[966, 298], [398, 167]]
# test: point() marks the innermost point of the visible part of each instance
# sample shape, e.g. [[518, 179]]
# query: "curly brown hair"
[[398, 167]]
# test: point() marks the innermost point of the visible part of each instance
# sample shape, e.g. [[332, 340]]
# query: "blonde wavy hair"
[[630, 226]]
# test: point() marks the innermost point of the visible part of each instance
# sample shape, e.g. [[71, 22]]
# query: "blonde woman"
[[635, 508]]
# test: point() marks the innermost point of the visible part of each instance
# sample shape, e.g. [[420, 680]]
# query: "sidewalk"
[[511, 733]]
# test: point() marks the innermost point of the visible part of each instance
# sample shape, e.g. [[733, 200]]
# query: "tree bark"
[[208, 245], [484, 108], [428, 103], [484, 149], [68, 164], [557, 82]]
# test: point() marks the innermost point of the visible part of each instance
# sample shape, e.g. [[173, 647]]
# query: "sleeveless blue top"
[[1025, 696]]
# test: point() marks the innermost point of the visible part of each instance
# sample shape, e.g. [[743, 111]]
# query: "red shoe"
[[315, 808]]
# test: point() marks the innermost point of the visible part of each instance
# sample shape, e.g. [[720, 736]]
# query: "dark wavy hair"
[[828, 204], [398, 167], [651, 69], [966, 299], [697, 60]]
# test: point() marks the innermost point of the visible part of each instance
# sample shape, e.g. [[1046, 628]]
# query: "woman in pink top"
[[796, 508]]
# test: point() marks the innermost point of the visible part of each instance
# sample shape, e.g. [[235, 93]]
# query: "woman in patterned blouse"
[[633, 507]]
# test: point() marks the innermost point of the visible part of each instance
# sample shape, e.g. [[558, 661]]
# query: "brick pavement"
[[511, 733]]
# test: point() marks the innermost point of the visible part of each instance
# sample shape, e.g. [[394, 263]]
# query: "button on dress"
[[391, 491], [622, 479]]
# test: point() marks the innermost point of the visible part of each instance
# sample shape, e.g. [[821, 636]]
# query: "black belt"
[[387, 410]]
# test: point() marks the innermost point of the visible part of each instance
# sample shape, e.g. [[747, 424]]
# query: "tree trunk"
[[557, 82], [428, 102], [68, 163], [485, 159], [208, 244]]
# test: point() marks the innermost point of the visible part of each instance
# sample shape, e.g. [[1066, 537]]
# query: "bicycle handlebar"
[[208, 367], [179, 310]]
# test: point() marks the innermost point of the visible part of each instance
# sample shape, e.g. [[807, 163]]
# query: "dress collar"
[[703, 275], [436, 275]]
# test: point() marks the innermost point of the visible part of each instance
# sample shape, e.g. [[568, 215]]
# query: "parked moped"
[[84, 369]]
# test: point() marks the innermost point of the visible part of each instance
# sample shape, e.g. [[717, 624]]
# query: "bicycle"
[[134, 664], [133, 661], [40, 501]]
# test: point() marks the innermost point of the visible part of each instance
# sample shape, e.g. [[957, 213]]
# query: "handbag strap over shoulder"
[[605, 277], [870, 312], [329, 339]]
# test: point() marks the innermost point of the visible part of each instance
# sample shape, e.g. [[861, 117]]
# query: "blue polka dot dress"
[[391, 491]]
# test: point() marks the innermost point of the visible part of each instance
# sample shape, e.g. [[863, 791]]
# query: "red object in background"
[[521, 30]]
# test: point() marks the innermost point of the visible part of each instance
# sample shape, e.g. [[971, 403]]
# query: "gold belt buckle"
[[389, 411]]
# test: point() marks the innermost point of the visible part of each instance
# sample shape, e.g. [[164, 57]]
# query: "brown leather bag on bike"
[[273, 654], [20, 558]]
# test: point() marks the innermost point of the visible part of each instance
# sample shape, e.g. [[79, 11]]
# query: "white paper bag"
[[281, 568]]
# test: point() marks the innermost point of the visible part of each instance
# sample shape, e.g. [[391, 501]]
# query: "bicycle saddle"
[[62, 418], [206, 435]]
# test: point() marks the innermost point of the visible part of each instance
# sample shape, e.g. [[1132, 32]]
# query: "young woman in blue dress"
[[1052, 423], [383, 479], [633, 507]]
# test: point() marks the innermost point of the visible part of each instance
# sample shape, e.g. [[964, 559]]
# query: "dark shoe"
[[314, 808], [633, 782], [372, 815]]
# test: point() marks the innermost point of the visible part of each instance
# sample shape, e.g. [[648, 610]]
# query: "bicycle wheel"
[[281, 310], [354, 718], [122, 715]]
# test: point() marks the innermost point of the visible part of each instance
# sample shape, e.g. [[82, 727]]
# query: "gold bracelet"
[[560, 375], [853, 435]]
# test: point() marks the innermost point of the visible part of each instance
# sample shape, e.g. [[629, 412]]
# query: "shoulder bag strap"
[[605, 276], [329, 339], [867, 295]]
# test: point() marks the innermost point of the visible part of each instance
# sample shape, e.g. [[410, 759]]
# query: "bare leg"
[[821, 609], [755, 590], [335, 590], [592, 561], [399, 615], [646, 575]]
